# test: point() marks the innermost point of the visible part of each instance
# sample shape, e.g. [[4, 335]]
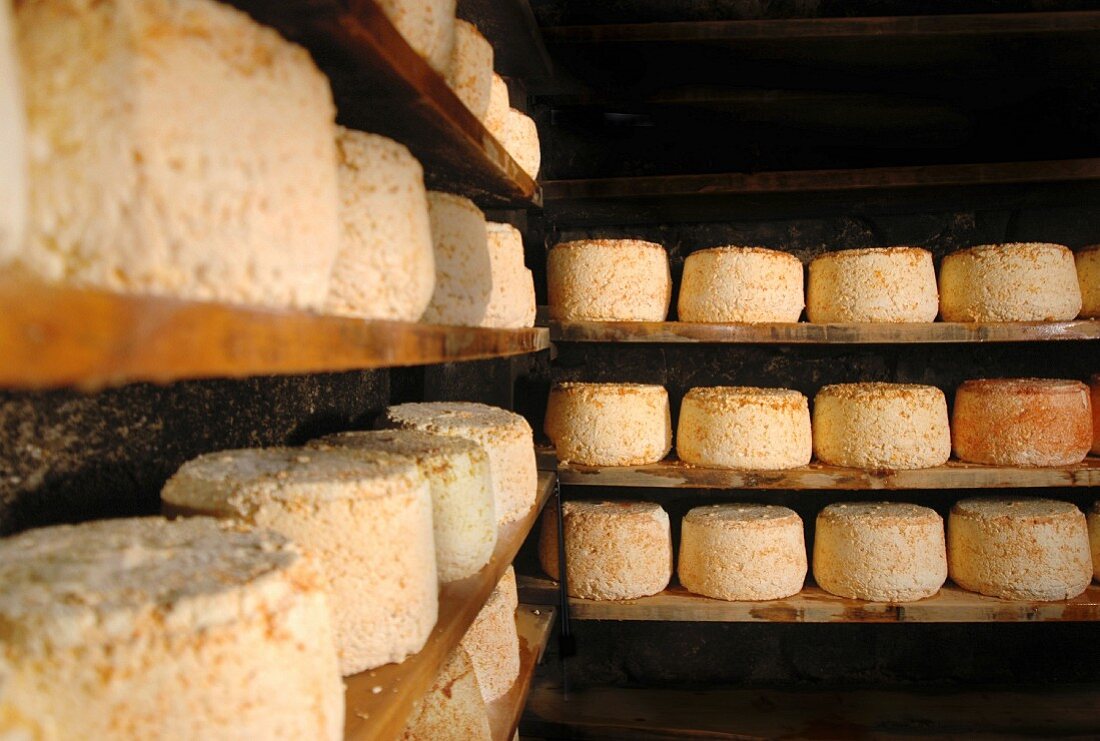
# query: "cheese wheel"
[[506, 437], [879, 551], [470, 72], [613, 550], [453, 707], [741, 284], [464, 274], [608, 280], [742, 552], [1022, 422], [496, 114], [1029, 549], [507, 587], [875, 285], [745, 428], [149, 629], [1093, 522], [1094, 402], [1027, 282], [609, 424], [1087, 263], [13, 145], [892, 426], [428, 26], [179, 148], [464, 521], [520, 138], [385, 268], [493, 643], [368, 521], [512, 296]]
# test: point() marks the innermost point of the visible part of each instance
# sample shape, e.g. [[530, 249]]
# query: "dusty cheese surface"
[[144, 628], [742, 552], [1093, 521], [520, 138], [609, 280], [496, 113], [512, 297], [492, 642], [453, 707], [470, 71], [879, 551], [463, 267], [609, 424], [744, 427], [741, 284], [1021, 282], [1016, 548], [427, 25], [1087, 261], [1094, 402], [367, 520], [1022, 421], [873, 285], [13, 144]]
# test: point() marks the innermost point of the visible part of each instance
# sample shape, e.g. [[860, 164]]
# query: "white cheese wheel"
[[177, 148], [493, 643], [1094, 398], [1094, 538], [1087, 262], [149, 629], [470, 72], [512, 297], [745, 428], [453, 707], [742, 552], [496, 115], [875, 285], [507, 586], [613, 550], [520, 138], [609, 424], [368, 521], [464, 519], [892, 426], [1026, 282], [13, 144], [879, 551], [463, 268], [1030, 549], [506, 437], [741, 284], [428, 26], [609, 280], [1022, 422], [385, 268]]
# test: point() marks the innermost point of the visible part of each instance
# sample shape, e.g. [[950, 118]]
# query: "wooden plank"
[[814, 605], [533, 623], [53, 336], [378, 702]]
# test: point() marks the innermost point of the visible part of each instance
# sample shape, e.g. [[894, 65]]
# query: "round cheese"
[[143, 628], [496, 114], [609, 424], [452, 708], [428, 26], [1031, 549], [608, 280], [1027, 282], [1094, 399], [470, 72], [13, 145], [464, 518], [882, 284], [520, 138], [744, 427], [369, 522], [1088, 277], [742, 552], [1094, 538], [891, 426], [493, 643], [385, 268], [512, 297], [506, 437], [463, 269], [1022, 422], [741, 284], [879, 551], [613, 550]]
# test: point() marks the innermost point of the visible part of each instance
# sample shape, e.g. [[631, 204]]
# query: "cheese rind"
[[609, 280], [13, 144], [453, 707], [1094, 402], [463, 267], [1093, 522], [520, 138], [492, 641], [879, 551], [609, 424], [496, 113], [512, 297], [741, 284], [1030, 549], [470, 72], [428, 26], [881, 284], [1087, 262], [742, 552]]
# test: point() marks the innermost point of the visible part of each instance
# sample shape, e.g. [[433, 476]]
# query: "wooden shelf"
[[814, 605], [378, 702], [381, 85], [51, 337], [533, 623]]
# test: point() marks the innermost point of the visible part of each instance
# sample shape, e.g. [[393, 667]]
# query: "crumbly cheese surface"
[[463, 267], [453, 708], [609, 280], [512, 297], [1014, 548], [492, 641], [614, 550], [1087, 262], [742, 552], [427, 25], [166, 630], [496, 114], [520, 139], [1022, 421], [1024, 282], [368, 520], [470, 72], [1094, 399], [744, 427], [1093, 521], [609, 424], [882, 284], [741, 284], [879, 551], [890, 426], [13, 144]]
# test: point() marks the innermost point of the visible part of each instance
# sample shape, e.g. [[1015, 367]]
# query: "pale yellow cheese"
[[428, 26], [609, 424], [609, 280], [452, 708], [881, 284], [470, 72], [741, 284], [13, 144], [464, 274], [1087, 261], [492, 641]]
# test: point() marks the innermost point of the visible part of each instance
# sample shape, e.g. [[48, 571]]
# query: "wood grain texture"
[[814, 605], [378, 702], [533, 623]]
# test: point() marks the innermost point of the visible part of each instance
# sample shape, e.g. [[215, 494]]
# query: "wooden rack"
[[533, 623]]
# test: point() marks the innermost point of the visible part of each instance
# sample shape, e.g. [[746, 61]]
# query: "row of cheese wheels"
[[873, 426], [629, 280]]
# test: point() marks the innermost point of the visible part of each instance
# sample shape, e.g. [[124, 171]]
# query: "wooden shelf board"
[[814, 605], [533, 623], [52, 336], [378, 702]]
